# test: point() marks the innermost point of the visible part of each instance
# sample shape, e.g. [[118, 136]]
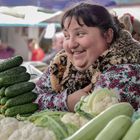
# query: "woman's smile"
[[78, 54]]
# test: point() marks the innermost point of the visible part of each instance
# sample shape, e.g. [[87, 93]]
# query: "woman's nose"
[[73, 43]]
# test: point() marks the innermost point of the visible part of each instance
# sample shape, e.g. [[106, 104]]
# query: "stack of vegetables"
[[112, 120], [44, 125], [16, 96], [63, 124], [12, 129], [114, 123]]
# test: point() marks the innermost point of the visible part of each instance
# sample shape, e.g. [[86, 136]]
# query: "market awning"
[[25, 15], [50, 4], [61, 4], [39, 12]]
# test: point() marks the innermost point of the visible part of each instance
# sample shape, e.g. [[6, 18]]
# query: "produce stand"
[[98, 116], [95, 118]]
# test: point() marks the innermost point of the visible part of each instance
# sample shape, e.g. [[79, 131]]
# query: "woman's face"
[[83, 44]]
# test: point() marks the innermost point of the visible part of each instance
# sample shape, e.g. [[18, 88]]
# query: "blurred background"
[[26, 25]]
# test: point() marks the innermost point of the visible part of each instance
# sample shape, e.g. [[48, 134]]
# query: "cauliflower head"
[[98, 101], [75, 119]]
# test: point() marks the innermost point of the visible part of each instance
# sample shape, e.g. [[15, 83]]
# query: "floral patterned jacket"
[[118, 67]]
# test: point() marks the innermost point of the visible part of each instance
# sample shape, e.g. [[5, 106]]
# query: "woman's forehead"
[[73, 22]]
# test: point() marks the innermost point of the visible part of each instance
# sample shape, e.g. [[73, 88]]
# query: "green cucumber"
[[21, 109], [15, 70], [13, 79], [134, 132], [19, 88], [3, 109], [25, 115], [4, 100], [115, 129], [2, 91], [92, 128], [21, 99], [10, 63], [0, 100]]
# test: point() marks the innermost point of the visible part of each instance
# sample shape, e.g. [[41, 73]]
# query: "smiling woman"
[[97, 53]]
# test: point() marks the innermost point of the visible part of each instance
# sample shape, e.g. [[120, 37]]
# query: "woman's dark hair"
[[93, 16]]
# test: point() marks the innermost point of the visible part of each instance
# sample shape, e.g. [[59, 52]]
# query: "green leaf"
[[52, 124]]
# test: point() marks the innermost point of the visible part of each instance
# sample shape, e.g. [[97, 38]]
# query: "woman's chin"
[[81, 67]]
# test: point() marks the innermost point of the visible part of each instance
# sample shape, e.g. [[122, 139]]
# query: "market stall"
[[97, 116]]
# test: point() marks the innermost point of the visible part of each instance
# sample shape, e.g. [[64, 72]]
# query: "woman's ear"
[[109, 35]]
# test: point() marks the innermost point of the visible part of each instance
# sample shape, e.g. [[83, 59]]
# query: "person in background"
[[57, 45], [97, 53], [6, 51], [36, 52], [131, 24]]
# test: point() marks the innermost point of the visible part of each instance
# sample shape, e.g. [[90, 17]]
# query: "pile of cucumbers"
[[16, 95]]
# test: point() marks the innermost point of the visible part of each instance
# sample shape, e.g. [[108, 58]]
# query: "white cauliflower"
[[74, 118], [1, 116], [12, 129], [83, 121], [102, 104], [7, 126], [29, 131], [98, 101]]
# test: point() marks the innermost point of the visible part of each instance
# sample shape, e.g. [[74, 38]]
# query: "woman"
[[97, 53]]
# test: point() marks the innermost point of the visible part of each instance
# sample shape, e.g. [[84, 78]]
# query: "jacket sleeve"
[[47, 98], [124, 79]]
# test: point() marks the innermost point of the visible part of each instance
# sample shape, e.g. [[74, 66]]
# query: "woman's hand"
[[76, 96]]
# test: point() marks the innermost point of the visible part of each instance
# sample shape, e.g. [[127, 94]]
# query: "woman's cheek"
[[65, 45], [66, 48]]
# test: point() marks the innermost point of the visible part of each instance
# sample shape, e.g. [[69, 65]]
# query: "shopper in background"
[[97, 53], [57, 45], [131, 24], [36, 52], [6, 51]]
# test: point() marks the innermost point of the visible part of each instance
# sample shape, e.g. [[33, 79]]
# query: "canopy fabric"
[[51, 4], [34, 12], [61, 4], [23, 15]]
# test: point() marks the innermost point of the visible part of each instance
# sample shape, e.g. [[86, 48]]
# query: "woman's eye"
[[66, 37], [80, 34]]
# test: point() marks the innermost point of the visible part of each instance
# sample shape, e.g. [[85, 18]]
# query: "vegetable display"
[[97, 101], [12, 129], [19, 88], [133, 133], [63, 124], [10, 63], [94, 126], [114, 123], [115, 129], [98, 116], [16, 95]]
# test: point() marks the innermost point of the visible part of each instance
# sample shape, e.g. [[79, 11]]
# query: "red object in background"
[[37, 54]]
